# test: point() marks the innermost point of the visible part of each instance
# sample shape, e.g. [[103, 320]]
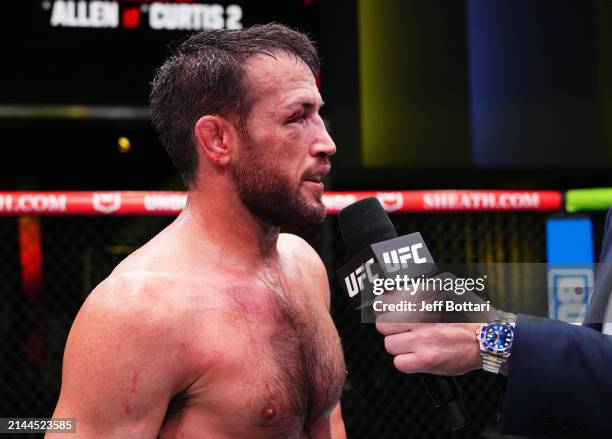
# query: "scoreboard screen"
[[105, 52]]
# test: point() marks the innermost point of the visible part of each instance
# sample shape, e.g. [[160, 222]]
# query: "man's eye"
[[298, 118]]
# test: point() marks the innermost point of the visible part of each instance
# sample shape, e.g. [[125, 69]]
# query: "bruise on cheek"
[[127, 409]]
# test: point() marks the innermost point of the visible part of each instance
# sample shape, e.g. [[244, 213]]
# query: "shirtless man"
[[219, 327]]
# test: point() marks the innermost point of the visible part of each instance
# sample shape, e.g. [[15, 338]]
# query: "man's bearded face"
[[271, 194], [284, 147]]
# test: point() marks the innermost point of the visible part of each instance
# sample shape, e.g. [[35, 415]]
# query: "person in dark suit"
[[559, 376]]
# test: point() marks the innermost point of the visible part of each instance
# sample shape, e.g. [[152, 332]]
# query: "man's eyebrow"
[[306, 103]]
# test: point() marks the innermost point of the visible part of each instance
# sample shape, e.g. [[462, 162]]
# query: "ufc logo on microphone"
[[397, 259], [354, 281]]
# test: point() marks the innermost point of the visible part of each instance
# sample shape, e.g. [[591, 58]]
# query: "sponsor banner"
[[170, 203], [571, 273], [92, 203], [570, 291], [451, 200]]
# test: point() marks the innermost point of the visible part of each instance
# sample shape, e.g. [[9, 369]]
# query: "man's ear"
[[215, 135]]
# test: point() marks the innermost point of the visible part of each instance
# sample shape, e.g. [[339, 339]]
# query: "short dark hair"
[[206, 75]]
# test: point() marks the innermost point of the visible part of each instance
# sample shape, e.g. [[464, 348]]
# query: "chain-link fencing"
[[378, 402]]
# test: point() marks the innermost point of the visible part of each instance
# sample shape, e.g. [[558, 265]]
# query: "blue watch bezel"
[[491, 348]]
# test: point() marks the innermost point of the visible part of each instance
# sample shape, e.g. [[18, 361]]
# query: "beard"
[[271, 195]]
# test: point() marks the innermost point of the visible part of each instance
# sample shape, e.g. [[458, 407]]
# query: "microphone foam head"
[[364, 223]]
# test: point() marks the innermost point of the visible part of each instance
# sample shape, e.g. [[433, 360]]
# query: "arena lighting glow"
[[124, 145], [93, 112], [30, 255]]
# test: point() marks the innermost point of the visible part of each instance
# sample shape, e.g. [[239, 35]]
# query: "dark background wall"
[[420, 93]]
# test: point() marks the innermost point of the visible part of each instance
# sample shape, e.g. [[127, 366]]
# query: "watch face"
[[497, 337]]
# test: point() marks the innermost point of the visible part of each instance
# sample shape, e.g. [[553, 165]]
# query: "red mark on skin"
[[127, 409], [134, 387], [217, 353], [235, 294], [150, 293]]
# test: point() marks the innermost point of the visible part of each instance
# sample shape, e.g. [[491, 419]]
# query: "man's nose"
[[323, 144]]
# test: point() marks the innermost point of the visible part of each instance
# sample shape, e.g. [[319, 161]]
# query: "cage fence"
[[378, 402]]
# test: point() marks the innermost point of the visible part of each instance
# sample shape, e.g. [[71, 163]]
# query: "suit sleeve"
[[603, 286], [559, 380]]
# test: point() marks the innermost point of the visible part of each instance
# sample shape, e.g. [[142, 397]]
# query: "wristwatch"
[[495, 340]]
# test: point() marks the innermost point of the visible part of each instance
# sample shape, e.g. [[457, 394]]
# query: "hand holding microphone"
[[436, 348], [370, 236]]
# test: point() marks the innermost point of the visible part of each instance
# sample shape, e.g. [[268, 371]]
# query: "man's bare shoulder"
[[164, 272], [130, 291], [143, 315], [294, 248], [127, 302], [164, 253], [152, 298], [124, 359], [160, 285], [156, 286]]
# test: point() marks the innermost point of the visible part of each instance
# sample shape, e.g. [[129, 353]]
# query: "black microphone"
[[370, 237]]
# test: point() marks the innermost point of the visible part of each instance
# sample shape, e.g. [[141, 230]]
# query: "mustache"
[[321, 169]]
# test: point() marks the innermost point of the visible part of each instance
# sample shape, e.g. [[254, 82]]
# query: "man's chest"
[[279, 352], [296, 346]]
